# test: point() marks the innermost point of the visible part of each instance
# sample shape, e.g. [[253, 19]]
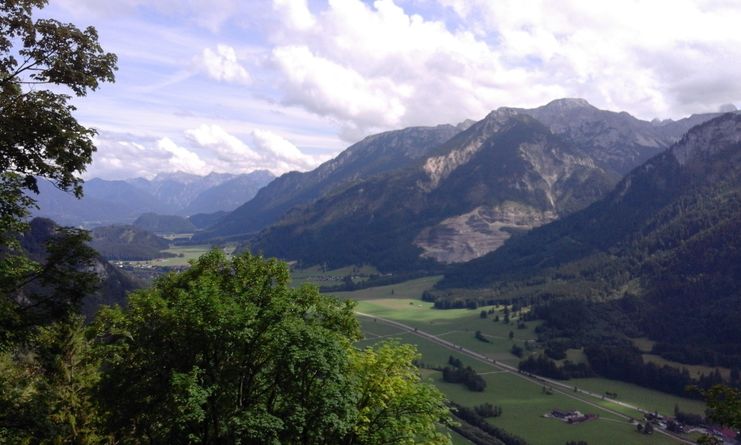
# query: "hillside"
[[203, 221], [153, 222], [373, 155], [114, 283], [503, 175], [130, 243], [667, 233]]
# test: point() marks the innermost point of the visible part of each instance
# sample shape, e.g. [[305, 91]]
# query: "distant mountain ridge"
[[616, 141], [122, 201]]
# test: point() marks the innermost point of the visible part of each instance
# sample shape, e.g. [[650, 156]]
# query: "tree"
[[395, 407], [45, 367], [228, 352], [47, 395], [39, 136], [724, 405]]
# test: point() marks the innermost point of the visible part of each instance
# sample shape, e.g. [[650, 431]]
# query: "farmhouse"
[[570, 416]]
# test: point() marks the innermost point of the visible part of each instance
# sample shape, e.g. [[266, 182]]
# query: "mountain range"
[[373, 155], [122, 201], [660, 253], [446, 194]]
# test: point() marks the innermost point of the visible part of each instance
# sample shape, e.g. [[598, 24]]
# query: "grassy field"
[[523, 402], [183, 255], [411, 289], [317, 276], [695, 370], [638, 395]]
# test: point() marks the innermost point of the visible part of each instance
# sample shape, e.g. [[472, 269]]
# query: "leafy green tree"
[[39, 137], [228, 352], [45, 368], [46, 390], [724, 405], [394, 406]]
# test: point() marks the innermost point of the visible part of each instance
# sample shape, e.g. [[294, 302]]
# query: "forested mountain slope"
[[505, 174], [373, 155], [667, 238]]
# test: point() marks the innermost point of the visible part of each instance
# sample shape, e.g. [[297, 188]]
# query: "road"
[[560, 387]]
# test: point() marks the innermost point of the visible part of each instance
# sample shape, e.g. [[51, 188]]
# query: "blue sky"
[[234, 86]]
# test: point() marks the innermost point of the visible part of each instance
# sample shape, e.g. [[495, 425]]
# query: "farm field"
[[411, 289], [183, 254], [319, 277], [523, 402], [637, 395]]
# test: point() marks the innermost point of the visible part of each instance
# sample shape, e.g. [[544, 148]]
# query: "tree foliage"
[[724, 405], [39, 136], [227, 352]]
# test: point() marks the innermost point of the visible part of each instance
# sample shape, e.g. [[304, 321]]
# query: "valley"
[[356, 222], [519, 254], [439, 334]]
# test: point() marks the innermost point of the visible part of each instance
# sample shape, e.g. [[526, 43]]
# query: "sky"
[[238, 85]]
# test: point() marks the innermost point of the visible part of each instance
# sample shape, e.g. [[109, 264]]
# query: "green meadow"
[[523, 402]]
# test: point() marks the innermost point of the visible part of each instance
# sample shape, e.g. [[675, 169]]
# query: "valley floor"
[[396, 312]]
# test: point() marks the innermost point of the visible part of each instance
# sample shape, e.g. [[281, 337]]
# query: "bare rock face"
[[705, 140], [471, 235], [544, 175], [437, 168]]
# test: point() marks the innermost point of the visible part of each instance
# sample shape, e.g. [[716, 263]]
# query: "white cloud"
[[123, 156], [331, 89], [295, 12], [377, 66], [276, 148], [225, 146], [269, 151], [223, 65], [212, 149], [658, 58]]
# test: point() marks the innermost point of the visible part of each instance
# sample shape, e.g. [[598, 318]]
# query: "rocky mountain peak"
[[467, 144], [709, 138], [561, 105], [465, 125]]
